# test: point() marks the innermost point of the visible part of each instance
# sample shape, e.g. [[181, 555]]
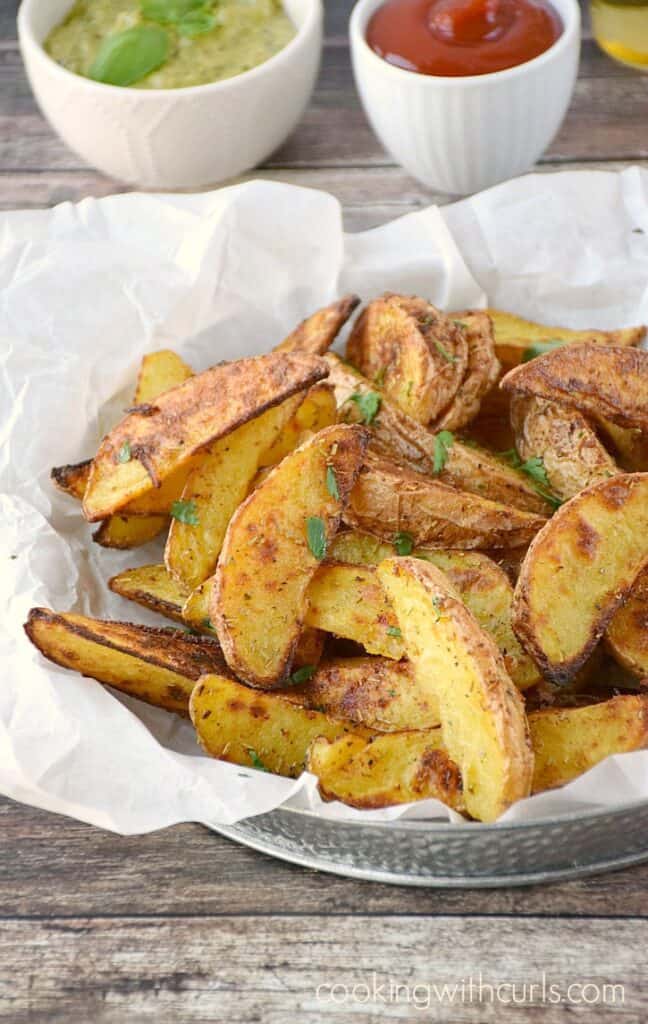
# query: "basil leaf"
[[303, 674], [368, 405], [540, 348], [316, 536], [197, 23], [443, 442], [185, 512], [169, 12], [128, 56], [403, 543], [331, 483]]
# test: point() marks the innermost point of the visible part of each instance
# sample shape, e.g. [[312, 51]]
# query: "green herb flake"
[[394, 631], [197, 23], [540, 348], [535, 469], [379, 379], [403, 543], [443, 442], [448, 356], [124, 454], [436, 604], [169, 12], [126, 57], [256, 760], [207, 624], [185, 512], [391, 693], [368, 405], [331, 483], [303, 674], [316, 536]]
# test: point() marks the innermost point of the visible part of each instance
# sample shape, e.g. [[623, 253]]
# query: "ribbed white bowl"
[[461, 135], [174, 138]]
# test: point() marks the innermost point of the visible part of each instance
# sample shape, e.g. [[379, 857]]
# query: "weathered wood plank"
[[281, 970], [188, 870]]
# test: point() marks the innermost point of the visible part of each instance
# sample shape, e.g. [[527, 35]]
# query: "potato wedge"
[[72, 479], [125, 532], [579, 570], [418, 354], [349, 601], [160, 371], [482, 713], [318, 332], [482, 372], [388, 500], [378, 693], [597, 379], [318, 410], [214, 491], [158, 666], [396, 435], [629, 446], [483, 586], [571, 453], [274, 543], [627, 634], [518, 340], [387, 770], [152, 587], [155, 440], [569, 741], [259, 730]]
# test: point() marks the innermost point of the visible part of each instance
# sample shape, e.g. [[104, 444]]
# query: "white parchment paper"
[[87, 289]]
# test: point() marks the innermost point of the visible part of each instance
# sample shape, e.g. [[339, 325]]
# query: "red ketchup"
[[462, 37]]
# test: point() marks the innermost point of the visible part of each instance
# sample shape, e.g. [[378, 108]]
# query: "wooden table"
[[183, 925]]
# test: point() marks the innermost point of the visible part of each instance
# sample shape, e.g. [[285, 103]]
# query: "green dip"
[[245, 33]]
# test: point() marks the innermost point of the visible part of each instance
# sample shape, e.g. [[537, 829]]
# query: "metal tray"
[[433, 853]]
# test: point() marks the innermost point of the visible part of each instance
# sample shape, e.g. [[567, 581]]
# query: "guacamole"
[[231, 36]]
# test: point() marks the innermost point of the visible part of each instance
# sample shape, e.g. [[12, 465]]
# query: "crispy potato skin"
[[597, 379], [397, 436], [72, 479], [388, 499], [420, 353], [515, 336], [482, 714], [163, 437], [569, 741], [248, 727], [578, 571], [630, 446], [156, 665], [481, 374], [259, 598], [317, 333], [378, 693], [152, 587], [627, 634], [572, 454], [387, 770]]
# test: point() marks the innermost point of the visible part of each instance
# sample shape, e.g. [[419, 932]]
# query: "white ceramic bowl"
[[174, 138], [461, 135]]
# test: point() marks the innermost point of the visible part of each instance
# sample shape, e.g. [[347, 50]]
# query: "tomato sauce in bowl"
[[454, 38]]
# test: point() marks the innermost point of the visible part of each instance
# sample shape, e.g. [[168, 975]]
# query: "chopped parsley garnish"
[[403, 543], [124, 454], [443, 442], [331, 483], [540, 348], [256, 760], [185, 512], [207, 624], [448, 356], [303, 674], [394, 631], [436, 603], [535, 469], [368, 405], [316, 536]]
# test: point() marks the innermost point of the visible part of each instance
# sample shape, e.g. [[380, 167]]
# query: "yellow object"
[[621, 29]]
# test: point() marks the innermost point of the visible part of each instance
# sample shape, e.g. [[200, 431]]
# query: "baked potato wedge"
[[316, 411], [273, 546], [72, 479], [349, 601], [627, 634], [597, 379], [457, 664], [579, 570], [418, 354], [160, 371], [630, 446], [395, 769], [397, 436], [389, 500], [152, 587], [215, 489], [518, 341], [569, 741], [378, 693], [572, 456], [159, 666], [318, 332], [256, 729], [125, 532], [154, 440], [482, 372]]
